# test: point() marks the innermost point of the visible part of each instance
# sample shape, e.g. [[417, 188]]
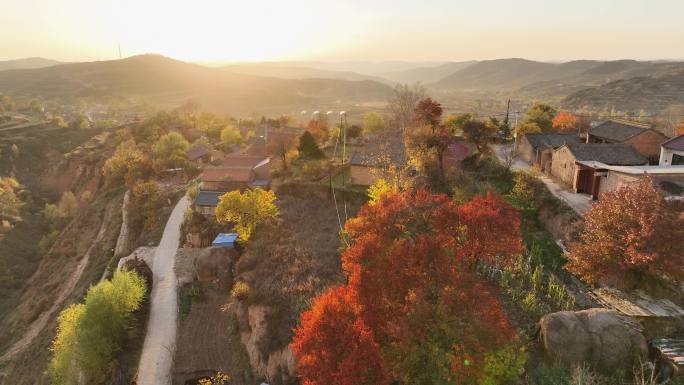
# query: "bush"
[[241, 291], [550, 375], [148, 199], [504, 365], [88, 334], [308, 148]]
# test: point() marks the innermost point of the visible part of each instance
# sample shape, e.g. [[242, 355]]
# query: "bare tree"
[[403, 102]]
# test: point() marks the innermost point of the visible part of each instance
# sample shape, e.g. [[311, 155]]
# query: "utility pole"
[[515, 132], [120, 52], [508, 109]]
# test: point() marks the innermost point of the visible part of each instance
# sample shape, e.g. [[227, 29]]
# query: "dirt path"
[[156, 360], [578, 202], [39, 324]]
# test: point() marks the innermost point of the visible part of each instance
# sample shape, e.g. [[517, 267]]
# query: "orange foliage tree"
[[334, 346], [632, 233], [564, 121], [411, 273], [679, 130], [319, 129]]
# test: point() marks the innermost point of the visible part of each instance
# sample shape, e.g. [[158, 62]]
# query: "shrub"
[[308, 148], [148, 199], [241, 291], [504, 365], [550, 375]]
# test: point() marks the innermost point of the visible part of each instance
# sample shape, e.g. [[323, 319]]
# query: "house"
[[202, 154], [571, 163], [206, 201], [237, 173], [369, 164], [670, 179], [645, 139], [672, 152], [537, 149]]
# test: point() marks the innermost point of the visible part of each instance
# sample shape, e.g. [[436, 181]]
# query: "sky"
[[356, 30]]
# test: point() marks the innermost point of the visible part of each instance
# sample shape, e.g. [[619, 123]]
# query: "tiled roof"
[[676, 143], [225, 174], [612, 154], [241, 161], [207, 198], [197, 151], [541, 141], [618, 130]]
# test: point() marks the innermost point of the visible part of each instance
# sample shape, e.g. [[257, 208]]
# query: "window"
[[677, 160]]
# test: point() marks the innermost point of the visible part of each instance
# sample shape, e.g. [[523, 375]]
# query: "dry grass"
[[292, 258]]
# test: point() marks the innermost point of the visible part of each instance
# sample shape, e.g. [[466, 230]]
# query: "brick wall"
[[563, 165], [648, 144]]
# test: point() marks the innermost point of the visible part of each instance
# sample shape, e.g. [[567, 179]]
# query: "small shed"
[[225, 240]]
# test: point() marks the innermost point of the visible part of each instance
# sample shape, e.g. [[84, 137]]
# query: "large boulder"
[[600, 337], [215, 264]]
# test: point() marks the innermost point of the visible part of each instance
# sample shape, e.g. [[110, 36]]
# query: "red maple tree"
[[333, 346], [632, 233], [411, 273], [428, 112]]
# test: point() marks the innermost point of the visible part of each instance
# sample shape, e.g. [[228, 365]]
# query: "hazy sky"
[[212, 30]]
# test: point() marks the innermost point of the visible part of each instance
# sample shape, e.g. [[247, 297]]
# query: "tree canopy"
[[372, 123], [89, 333], [631, 234], [169, 151], [246, 210], [414, 308], [540, 115], [308, 148], [230, 136]]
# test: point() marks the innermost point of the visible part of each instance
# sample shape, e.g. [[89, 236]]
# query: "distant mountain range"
[[269, 86], [167, 81], [31, 62]]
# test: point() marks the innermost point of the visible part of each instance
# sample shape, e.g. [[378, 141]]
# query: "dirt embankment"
[[79, 171], [75, 261]]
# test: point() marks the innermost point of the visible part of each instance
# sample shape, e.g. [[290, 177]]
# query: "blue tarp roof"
[[224, 239]]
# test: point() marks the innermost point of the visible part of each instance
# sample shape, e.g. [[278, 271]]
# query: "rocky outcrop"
[[275, 367], [600, 337]]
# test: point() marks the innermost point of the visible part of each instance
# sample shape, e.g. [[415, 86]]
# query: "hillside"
[[549, 80], [426, 74], [505, 74], [165, 81], [27, 63], [634, 94], [285, 71]]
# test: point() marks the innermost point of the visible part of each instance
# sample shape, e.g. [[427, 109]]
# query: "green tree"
[[81, 122], [372, 123], [478, 133], [308, 148], [7, 103], [246, 210], [230, 136], [58, 121], [169, 151], [89, 333], [541, 115]]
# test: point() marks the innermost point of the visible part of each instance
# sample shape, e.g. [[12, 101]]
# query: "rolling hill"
[[27, 63], [427, 74], [285, 71], [165, 81], [634, 94]]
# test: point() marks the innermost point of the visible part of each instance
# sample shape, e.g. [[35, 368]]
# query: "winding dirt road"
[[156, 361]]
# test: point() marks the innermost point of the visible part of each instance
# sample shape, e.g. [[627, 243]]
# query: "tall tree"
[[540, 115], [169, 151], [308, 148], [282, 145], [230, 136], [632, 232], [428, 113], [479, 133], [403, 102], [413, 285]]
